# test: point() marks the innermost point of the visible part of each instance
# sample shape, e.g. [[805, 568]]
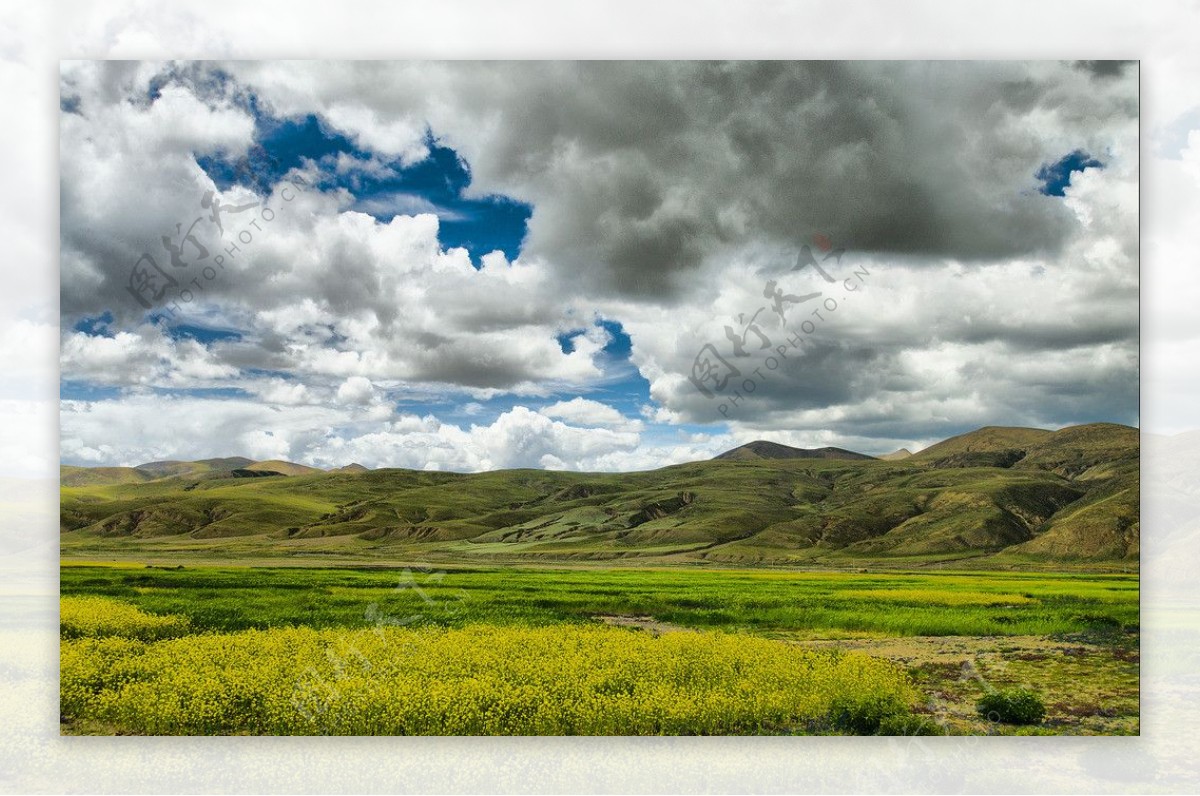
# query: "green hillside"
[[174, 468], [281, 467], [94, 476], [1000, 495]]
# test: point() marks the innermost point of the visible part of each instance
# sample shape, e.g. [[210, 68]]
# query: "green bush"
[[1012, 706], [909, 724], [875, 715]]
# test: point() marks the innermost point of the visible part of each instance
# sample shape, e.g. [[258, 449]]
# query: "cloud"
[[145, 357], [356, 390], [139, 428], [318, 288], [407, 204], [664, 196], [1104, 69], [586, 412], [280, 392], [922, 350], [641, 172]]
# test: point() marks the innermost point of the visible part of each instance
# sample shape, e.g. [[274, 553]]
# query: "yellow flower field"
[[477, 680], [98, 616]]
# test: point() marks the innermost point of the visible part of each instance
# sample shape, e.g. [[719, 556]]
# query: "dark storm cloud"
[[1047, 335], [639, 172], [1103, 69], [879, 397]]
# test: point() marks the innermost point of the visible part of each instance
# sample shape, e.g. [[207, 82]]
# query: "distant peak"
[[763, 449], [282, 467]]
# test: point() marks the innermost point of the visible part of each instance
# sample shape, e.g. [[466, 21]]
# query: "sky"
[[589, 266]]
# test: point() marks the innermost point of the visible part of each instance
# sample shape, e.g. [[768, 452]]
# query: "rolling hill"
[[761, 449], [204, 469], [170, 468], [279, 467], [992, 497]]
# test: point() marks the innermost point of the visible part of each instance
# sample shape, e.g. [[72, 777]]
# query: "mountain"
[[896, 456], [761, 449], [353, 467], [281, 468], [995, 497], [167, 469], [990, 446], [151, 471], [93, 476], [183, 471]]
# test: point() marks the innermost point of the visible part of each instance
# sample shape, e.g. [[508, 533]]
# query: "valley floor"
[[1070, 637]]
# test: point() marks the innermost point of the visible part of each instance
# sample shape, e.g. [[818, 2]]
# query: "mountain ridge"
[[762, 449], [1070, 495]]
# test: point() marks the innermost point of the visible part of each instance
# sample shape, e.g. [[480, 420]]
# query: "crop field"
[[289, 650]]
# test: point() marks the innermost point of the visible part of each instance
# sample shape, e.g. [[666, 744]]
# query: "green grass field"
[[1071, 636], [767, 602]]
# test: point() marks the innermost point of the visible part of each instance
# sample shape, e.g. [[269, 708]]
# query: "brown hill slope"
[[761, 449]]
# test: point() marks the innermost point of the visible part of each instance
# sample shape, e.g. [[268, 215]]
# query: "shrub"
[[1012, 706], [910, 724], [875, 715]]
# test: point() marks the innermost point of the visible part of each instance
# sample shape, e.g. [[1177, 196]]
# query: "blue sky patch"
[[383, 188], [76, 390], [1057, 176], [436, 184], [624, 387], [201, 334], [95, 325]]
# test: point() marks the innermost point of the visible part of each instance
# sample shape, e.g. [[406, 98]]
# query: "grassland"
[[952, 635], [766, 602], [821, 592]]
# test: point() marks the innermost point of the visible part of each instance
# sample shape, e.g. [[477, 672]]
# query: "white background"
[[34, 38]]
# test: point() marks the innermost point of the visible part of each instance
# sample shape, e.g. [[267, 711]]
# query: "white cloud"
[[586, 412], [402, 137], [138, 428], [356, 390], [320, 289], [280, 391], [407, 204], [145, 357]]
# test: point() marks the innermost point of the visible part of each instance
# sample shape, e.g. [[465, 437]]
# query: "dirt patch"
[[647, 623], [917, 650], [1089, 689]]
